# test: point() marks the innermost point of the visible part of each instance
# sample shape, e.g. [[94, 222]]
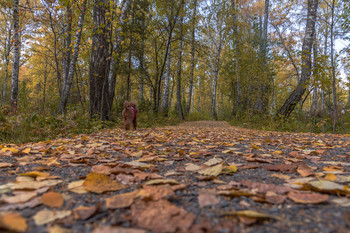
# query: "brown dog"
[[130, 114]]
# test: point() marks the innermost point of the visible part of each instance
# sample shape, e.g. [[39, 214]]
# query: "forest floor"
[[193, 177]]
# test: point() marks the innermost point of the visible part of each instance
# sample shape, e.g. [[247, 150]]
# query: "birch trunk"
[[334, 89], [7, 61], [117, 50], [16, 55], [179, 69], [67, 82], [165, 102], [298, 93], [193, 49]]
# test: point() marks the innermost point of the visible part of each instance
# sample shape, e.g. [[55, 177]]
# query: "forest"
[[70, 65]]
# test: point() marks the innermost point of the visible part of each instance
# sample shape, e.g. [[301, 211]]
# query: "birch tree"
[[299, 91], [68, 78], [16, 54]]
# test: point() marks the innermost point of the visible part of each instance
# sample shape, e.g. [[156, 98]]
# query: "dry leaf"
[[208, 198], [52, 199], [58, 229], [162, 181], [110, 229], [192, 167], [156, 193], [328, 187], [30, 185], [20, 197], [121, 200], [13, 222], [304, 170], [250, 214], [77, 187], [211, 171], [161, 216], [213, 161], [100, 183], [307, 197], [45, 216], [84, 212]]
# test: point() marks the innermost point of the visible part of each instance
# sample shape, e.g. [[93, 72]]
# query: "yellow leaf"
[[26, 151], [255, 146], [36, 174], [13, 222], [14, 150], [230, 169], [330, 177], [100, 183], [250, 214], [45, 216], [161, 181], [278, 152]]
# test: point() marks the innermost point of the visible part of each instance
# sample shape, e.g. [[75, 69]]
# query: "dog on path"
[[129, 114]]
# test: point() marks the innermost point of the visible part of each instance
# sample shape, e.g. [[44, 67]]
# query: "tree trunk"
[[179, 69], [7, 61], [334, 89], [314, 104], [193, 49], [166, 89], [67, 82], [117, 50], [16, 55], [238, 99], [67, 51], [298, 93], [99, 103]]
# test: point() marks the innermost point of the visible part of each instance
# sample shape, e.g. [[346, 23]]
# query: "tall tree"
[[193, 50], [117, 50], [68, 78], [179, 69], [298, 93], [16, 54], [98, 74]]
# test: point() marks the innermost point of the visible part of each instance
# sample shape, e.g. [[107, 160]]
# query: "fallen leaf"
[[21, 197], [58, 229], [230, 169], [250, 214], [121, 200], [52, 199], [307, 197], [110, 229], [282, 167], [13, 222], [13, 150], [328, 187], [103, 169], [30, 185], [162, 181], [330, 177], [46, 216], [207, 198], [211, 171], [4, 165], [161, 216], [100, 183], [304, 170], [84, 212], [156, 193], [213, 161], [192, 167], [77, 187], [342, 201]]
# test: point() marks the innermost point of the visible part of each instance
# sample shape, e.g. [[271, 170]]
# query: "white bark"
[[16, 54]]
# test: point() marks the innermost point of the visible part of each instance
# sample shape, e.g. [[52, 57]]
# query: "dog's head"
[[128, 104]]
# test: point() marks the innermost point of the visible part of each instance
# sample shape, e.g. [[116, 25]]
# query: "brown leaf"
[[208, 198], [264, 188], [100, 183], [110, 229], [274, 198], [102, 169], [282, 167], [211, 171], [162, 181], [13, 222], [20, 197], [121, 200], [52, 199], [304, 170], [161, 216], [84, 212], [307, 197], [156, 192]]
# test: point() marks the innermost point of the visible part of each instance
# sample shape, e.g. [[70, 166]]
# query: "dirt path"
[[193, 177]]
